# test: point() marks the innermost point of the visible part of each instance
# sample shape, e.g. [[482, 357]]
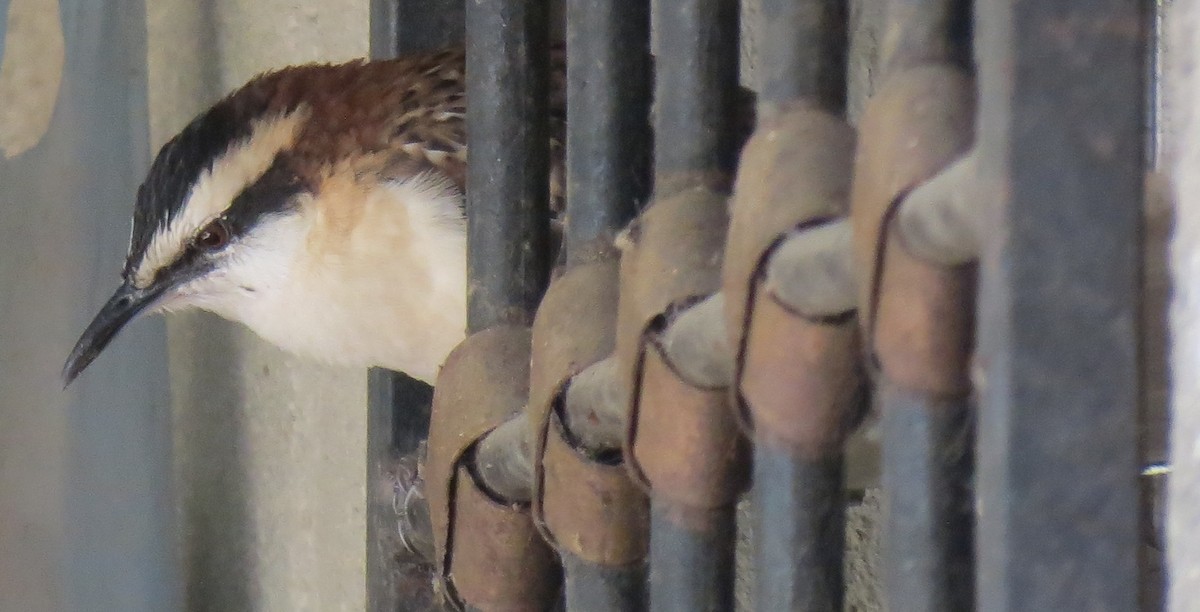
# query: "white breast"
[[367, 276]]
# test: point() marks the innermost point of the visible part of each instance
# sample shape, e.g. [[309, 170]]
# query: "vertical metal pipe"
[[399, 578], [799, 511], [802, 47], [508, 174], [691, 558], [926, 426], [695, 92], [608, 180], [596, 588], [608, 102], [696, 81], [926, 31], [799, 531], [1061, 155], [406, 26], [927, 446]]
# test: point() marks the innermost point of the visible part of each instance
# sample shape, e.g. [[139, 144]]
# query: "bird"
[[322, 206]]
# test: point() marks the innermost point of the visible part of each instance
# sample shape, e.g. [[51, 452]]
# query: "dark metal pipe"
[[600, 588], [508, 228], [691, 558], [799, 510], [608, 181], [608, 141], [799, 527], [695, 94], [803, 53], [406, 26], [926, 31], [929, 503], [927, 448]]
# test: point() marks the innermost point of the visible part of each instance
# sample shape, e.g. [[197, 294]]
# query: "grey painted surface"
[[1181, 143], [84, 473]]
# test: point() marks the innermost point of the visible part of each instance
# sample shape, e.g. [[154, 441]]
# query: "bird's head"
[[214, 219]]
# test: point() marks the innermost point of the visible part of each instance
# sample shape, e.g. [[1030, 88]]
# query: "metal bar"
[[507, 197], [406, 26], [691, 559], [696, 84], [917, 313], [1061, 149], [799, 528], [608, 99], [798, 505], [507, 201], [399, 573], [926, 474], [591, 586], [926, 31], [803, 48], [608, 181]]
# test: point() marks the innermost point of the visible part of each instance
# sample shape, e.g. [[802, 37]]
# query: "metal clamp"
[[795, 173], [489, 554], [681, 442], [582, 503]]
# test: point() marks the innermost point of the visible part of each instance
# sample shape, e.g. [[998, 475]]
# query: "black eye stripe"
[[272, 193], [191, 263]]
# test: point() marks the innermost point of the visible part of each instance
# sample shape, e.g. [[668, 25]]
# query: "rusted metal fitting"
[[681, 441], [583, 503], [499, 560], [795, 170], [574, 328], [795, 173], [671, 256], [916, 124], [489, 555], [588, 507], [924, 321], [802, 380]]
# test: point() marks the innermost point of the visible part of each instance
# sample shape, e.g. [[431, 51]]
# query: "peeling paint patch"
[[30, 73]]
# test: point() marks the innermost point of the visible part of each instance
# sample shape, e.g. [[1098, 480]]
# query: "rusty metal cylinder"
[[489, 554]]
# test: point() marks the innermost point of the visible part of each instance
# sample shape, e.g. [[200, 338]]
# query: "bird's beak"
[[122, 307]]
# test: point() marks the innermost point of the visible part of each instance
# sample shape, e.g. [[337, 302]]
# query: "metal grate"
[[726, 310]]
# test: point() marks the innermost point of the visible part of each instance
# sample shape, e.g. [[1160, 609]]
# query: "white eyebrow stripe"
[[215, 189]]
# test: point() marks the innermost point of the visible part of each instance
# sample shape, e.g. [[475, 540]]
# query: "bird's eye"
[[214, 235]]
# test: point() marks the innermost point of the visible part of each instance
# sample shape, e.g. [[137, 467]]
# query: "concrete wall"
[[31, 532], [270, 450], [1182, 156], [85, 496]]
